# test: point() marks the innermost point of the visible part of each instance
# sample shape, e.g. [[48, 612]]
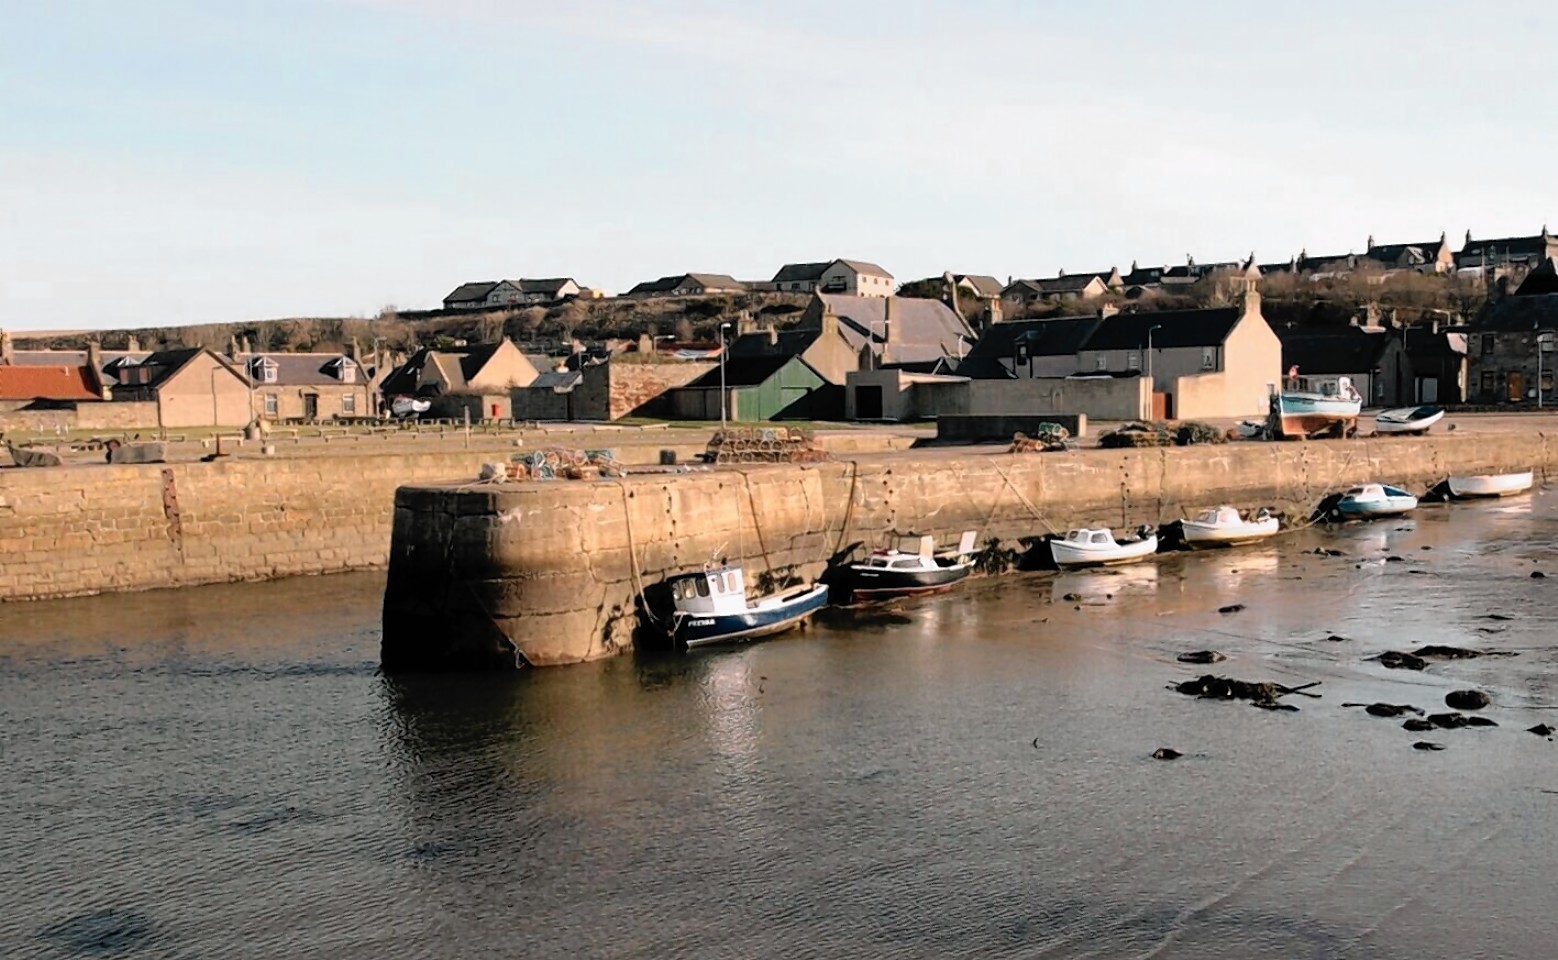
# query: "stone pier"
[[506, 575]]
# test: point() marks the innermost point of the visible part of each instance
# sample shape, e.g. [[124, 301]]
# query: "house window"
[[349, 404], [348, 372], [270, 405], [1490, 379], [265, 370], [1487, 343], [1208, 358], [1133, 361], [1103, 362]]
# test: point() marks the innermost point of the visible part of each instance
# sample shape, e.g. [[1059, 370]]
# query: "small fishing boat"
[[1098, 548], [402, 407], [1298, 414], [1224, 527], [1375, 500], [1491, 485], [1408, 420], [895, 572], [711, 606]]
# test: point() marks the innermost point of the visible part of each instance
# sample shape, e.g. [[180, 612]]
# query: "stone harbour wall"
[[539, 574], [70, 531]]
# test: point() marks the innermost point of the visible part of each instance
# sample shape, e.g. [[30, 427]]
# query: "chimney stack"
[[95, 356], [773, 334], [132, 344], [7, 353]]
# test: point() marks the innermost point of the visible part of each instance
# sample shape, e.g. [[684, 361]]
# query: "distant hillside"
[[686, 318]]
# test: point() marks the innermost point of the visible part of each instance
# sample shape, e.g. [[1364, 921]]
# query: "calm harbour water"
[[220, 772]]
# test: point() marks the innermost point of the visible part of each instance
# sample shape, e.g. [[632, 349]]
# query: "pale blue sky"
[[184, 161]]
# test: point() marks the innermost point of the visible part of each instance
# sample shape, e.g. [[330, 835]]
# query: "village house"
[[1029, 349], [1434, 257], [484, 294], [1373, 358], [307, 386], [474, 379], [1520, 252], [192, 387], [1219, 362], [1025, 293], [60, 382], [688, 285], [1438, 362], [849, 277], [1513, 346]]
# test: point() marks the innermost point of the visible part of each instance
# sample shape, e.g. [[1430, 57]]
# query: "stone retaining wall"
[[548, 574], [89, 529]]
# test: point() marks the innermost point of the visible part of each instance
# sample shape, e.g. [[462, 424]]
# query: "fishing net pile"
[[1138, 434], [1049, 436], [1193, 432]]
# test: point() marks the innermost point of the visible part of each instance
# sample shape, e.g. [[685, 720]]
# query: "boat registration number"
[[700, 623]]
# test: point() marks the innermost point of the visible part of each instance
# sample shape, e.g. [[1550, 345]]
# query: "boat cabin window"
[[703, 586], [905, 564], [1355, 491], [1101, 536]]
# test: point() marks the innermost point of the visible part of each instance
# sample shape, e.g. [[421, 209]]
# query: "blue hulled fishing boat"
[[711, 606]]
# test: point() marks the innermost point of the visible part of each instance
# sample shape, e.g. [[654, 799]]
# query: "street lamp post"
[[722, 328], [1544, 344], [1156, 326]]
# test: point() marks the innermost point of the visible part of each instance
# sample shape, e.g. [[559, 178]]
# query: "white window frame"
[[1208, 358], [349, 404], [271, 405]]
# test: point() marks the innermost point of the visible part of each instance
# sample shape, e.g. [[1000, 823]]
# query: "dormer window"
[[263, 370], [346, 370]]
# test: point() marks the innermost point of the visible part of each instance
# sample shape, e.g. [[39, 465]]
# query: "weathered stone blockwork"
[[548, 573], [79, 530]]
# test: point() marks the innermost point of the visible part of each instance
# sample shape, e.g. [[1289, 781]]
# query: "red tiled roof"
[[47, 383]]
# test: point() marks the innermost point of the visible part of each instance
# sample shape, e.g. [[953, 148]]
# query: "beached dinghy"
[[1408, 420], [712, 607], [895, 572], [1375, 500], [1099, 548], [1491, 485], [1224, 527]]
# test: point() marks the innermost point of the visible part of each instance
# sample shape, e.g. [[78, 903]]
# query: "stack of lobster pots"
[[763, 445]]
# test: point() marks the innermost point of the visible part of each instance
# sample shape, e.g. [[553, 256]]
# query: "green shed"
[[760, 388]]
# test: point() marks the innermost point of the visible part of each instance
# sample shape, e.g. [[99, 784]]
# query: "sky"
[[180, 161]]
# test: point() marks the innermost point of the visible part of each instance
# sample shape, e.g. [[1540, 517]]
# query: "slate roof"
[[1143, 276], [33, 382], [467, 292], [793, 272], [1543, 279], [927, 329], [1416, 254], [459, 365], [748, 371], [549, 286], [1536, 312], [163, 364], [1070, 283], [1060, 337], [862, 266], [1176, 328], [1332, 350], [790, 343], [667, 284], [1517, 248], [302, 369], [988, 287], [1423, 343], [558, 381]]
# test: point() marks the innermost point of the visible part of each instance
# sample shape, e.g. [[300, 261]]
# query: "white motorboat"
[[1375, 500], [1408, 420], [403, 407], [896, 572], [1224, 527], [1299, 414], [1491, 485], [1098, 548]]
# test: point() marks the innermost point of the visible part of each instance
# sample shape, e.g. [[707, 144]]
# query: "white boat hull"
[[1228, 535], [1401, 421], [1073, 555], [1491, 485]]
